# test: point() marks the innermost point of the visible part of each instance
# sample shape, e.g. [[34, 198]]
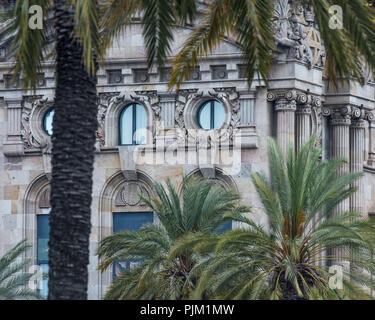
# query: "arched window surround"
[[36, 202], [109, 204], [111, 124]]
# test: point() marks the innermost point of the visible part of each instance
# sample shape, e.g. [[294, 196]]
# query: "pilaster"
[[14, 145]]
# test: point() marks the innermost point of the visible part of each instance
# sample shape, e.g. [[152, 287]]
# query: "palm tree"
[[163, 273], [250, 23], [290, 259], [12, 281], [73, 139], [77, 46]]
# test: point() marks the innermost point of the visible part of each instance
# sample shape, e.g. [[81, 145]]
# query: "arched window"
[[48, 122], [211, 115], [132, 125]]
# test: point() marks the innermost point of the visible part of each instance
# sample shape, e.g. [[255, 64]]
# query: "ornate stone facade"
[[296, 104]]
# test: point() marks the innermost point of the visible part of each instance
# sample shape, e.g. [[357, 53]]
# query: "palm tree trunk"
[[73, 139]]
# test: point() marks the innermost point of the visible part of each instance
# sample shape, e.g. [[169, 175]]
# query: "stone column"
[[357, 144], [285, 107], [340, 122], [371, 156], [14, 146], [303, 120]]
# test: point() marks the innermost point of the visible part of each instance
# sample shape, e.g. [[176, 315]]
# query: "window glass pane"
[[204, 116], [43, 284], [219, 115], [126, 125], [129, 221], [48, 122], [42, 235], [141, 123], [42, 250]]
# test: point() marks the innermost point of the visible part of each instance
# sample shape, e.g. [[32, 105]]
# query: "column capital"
[[370, 117], [358, 123], [339, 119], [304, 109], [285, 105], [14, 103], [287, 95], [344, 115]]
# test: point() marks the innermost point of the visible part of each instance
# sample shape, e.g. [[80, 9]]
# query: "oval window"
[[48, 122]]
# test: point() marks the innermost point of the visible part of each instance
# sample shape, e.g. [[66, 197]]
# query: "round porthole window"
[[48, 121], [211, 115]]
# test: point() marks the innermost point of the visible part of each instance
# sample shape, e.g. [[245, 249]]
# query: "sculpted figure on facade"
[[296, 29]]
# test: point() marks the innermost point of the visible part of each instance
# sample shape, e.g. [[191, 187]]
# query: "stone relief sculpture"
[[296, 30], [104, 101]]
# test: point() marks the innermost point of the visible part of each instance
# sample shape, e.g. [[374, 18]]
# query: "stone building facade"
[[296, 103]]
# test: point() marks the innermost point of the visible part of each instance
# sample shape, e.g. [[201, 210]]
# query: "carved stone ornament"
[[104, 101], [341, 115], [184, 97], [186, 106], [229, 96], [317, 119], [285, 100], [296, 30], [131, 193], [33, 110]]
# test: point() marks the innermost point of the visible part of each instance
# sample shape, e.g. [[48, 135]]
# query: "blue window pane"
[[211, 115], [43, 285], [219, 115], [141, 123], [48, 122], [42, 250], [132, 125], [42, 236], [126, 126], [204, 116], [225, 227], [129, 221]]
